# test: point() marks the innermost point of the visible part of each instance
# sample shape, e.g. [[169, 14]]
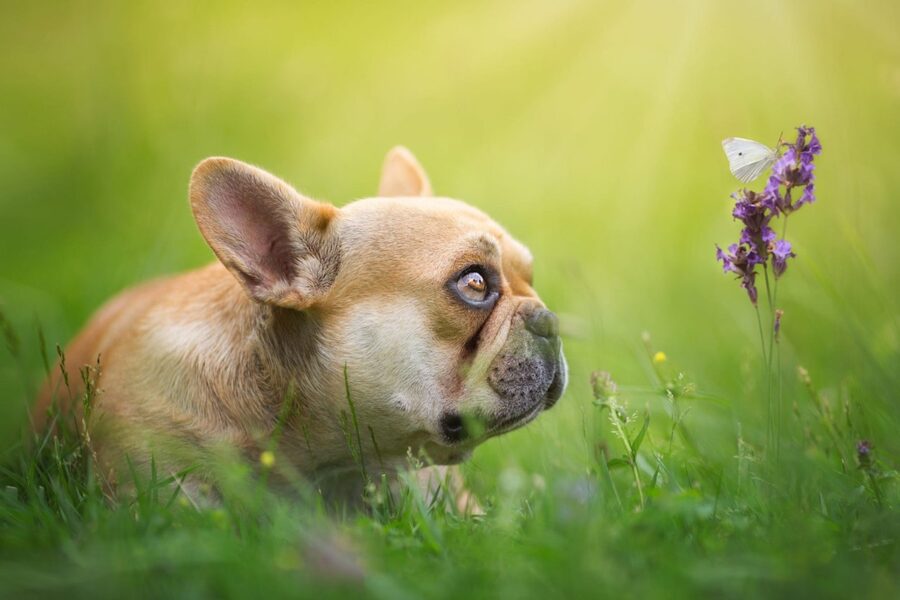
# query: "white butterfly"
[[748, 159]]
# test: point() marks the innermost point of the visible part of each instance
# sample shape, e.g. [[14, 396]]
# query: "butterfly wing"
[[748, 159]]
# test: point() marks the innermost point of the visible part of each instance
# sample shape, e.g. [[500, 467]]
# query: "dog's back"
[[104, 329]]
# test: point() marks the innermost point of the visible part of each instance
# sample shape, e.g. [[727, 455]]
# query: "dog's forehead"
[[441, 225]]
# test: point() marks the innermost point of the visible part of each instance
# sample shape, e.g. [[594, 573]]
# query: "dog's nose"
[[542, 322]]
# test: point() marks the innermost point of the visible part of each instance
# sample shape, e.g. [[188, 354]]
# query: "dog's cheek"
[[391, 358]]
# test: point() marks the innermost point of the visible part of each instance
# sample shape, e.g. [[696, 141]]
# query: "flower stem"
[[620, 431], [779, 404], [873, 480], [765, 361], [770, 413], [762, 339], [780, 400]]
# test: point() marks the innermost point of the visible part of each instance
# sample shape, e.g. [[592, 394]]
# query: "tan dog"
[[425, 303]]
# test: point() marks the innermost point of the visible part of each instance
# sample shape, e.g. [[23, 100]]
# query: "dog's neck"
[[260, 364]]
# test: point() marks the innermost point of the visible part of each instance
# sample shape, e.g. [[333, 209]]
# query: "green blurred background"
[[591, 130]]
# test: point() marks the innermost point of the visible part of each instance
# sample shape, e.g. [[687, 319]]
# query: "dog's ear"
[[402, 175], [280, 245]]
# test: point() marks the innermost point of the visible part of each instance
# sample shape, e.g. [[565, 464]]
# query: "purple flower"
[[793, 170], [802, 133], [773, 190], [781, 251], [727, 260], [813, 147], [864, 447], [782, 166], [808, 197], [741, 260], [750, 208], [758, 239]]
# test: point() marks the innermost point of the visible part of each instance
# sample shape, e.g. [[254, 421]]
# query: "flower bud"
[[864, 453], [603, 386]]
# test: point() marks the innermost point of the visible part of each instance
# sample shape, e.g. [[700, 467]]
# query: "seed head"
[[603, 386]]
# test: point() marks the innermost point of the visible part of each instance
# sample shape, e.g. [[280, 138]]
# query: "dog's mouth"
[[456, 428], [507, 424]]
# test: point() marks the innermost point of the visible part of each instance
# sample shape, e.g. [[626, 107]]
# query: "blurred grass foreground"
[[592, 131]]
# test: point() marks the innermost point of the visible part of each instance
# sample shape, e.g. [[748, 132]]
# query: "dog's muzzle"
[[529, 375], [529, 371]]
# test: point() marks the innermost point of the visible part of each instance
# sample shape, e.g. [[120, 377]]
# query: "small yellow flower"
[[267, 459], [220, 517], [659, 358]]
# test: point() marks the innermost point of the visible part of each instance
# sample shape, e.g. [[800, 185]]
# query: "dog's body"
[[409, 314]]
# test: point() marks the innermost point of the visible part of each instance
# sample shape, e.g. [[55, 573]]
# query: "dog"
[[395, 325]]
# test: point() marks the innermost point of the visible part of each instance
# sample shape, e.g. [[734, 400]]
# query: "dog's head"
[[424, 303]]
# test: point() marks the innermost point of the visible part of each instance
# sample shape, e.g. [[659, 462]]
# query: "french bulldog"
[[414, 314]]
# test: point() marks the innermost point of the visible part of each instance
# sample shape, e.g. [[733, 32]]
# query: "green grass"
[[591, 131], [649, 512]]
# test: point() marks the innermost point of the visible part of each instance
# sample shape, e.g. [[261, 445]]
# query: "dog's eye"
[[472, 287], [477, 286]]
